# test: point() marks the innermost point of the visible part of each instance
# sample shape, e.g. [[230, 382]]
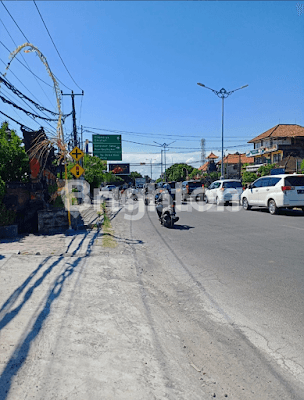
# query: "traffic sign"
[[76, 153], [107, 147], [77, 170]]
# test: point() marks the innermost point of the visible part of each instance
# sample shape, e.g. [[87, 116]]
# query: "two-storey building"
[[276, 144]]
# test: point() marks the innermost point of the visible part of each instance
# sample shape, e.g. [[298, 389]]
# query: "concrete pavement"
[[130, 321], [73, 324]]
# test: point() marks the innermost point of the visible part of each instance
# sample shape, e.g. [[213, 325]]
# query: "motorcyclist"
[[164, 201]]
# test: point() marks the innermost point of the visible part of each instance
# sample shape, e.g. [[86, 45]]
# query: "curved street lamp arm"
[[242, 87], [212, 90]]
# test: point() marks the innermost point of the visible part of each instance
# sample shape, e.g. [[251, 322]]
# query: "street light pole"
[[223, 94], [152, 159]]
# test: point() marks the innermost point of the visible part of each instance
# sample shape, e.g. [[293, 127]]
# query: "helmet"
[[167, 187]]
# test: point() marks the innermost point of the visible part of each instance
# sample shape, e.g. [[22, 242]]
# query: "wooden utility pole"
[[74, 114]]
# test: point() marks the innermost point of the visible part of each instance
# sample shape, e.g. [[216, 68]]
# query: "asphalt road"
[[248, 267]]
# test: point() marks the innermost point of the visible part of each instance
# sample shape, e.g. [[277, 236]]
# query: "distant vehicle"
[[224, 191], [149, 192], [173, 186], [275, 192], [189, 186], [108, 188]]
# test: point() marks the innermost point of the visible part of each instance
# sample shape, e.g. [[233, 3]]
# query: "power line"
[[24, 59], [30, 115], [25, 111], [185, 148], [140, 133], [23, 96], [15, 22], [19, 80], [7, 116], [55, 46], [17, 46], [175, 136]]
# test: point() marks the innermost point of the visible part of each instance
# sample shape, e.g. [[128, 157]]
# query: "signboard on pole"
[[77, 171], [76, 153], [107, 147], [120, 169]]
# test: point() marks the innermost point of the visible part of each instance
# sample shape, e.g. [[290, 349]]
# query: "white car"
[[224, 191], [274, 192], [108, 188]]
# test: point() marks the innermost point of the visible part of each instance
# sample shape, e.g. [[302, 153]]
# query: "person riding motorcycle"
[[165, 206]]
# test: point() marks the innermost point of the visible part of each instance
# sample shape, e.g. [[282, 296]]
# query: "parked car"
[[275, 192], [224, 191], [189, 186]]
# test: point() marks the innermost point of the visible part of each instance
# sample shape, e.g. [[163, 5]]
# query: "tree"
[[135, 174], [94, 171], [14, 164], [248, 177], [194, 173], [178, 172], [302, 166], [265, 169]]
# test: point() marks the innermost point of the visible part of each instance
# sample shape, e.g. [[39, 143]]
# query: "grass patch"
[[108, 233]]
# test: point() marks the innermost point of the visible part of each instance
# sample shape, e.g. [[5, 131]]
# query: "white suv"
[[274, 192], [224, 191]]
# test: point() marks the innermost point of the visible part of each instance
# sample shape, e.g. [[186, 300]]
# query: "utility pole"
[[161, 163], [152, 159], [165, 146], [74, 114], [203, 154]]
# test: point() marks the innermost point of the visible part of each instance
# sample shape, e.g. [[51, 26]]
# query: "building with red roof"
[[278, 143]]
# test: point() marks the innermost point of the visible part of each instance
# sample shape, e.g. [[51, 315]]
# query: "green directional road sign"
[[107, 147]]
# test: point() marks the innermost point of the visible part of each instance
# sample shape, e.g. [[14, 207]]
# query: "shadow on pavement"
[[12, 240], [282, 211], [183, 227], [22, 349], [124, 240]]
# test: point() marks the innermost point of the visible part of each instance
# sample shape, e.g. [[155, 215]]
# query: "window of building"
[[276, 158], [259, 160]]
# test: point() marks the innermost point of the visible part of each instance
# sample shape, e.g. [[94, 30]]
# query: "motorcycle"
[[165, 208]]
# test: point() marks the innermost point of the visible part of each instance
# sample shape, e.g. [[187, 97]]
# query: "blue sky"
[[139, 63]]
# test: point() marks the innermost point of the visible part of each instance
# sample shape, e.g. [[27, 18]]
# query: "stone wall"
[[51, 221]]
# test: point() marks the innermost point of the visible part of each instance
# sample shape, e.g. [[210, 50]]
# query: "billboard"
[[120, 169]]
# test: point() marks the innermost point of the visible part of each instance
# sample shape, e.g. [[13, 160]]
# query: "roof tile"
[[280, 131], [236, 158]]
